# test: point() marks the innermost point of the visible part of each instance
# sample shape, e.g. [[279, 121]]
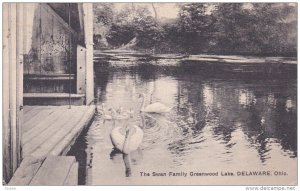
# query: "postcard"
[[150, 94]]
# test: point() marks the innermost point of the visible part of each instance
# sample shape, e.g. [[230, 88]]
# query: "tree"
[[260, 29], [103, 18], [195, 26], [135, 22], [123, 27], [275, 28], [155, 12]]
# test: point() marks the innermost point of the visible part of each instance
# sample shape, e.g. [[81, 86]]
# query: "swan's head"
[[103, 106], [119, 111], [112, 111], [130, 113], [141, 95]]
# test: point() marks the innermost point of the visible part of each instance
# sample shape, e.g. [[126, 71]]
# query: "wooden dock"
[[47, 135]]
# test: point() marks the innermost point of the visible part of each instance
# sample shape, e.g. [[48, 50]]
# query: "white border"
[[136, 188]]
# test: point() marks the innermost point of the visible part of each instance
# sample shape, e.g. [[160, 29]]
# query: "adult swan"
[[125, 137], [154, 107]]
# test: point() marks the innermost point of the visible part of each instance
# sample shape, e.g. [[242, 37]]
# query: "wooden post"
[[12, 87], [7, 165], [88, 36], [81, 64], [20, 66]]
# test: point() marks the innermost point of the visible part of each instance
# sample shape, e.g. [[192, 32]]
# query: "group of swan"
[[127, 137]]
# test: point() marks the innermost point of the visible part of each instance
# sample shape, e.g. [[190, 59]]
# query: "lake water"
[[225, 118]]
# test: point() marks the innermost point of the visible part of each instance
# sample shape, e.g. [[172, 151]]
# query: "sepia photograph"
[[156, 93]]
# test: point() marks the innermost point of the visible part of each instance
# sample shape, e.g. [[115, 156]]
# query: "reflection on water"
[[219, 120]]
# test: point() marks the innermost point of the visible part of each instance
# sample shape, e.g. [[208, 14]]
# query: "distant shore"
[[239, 59]]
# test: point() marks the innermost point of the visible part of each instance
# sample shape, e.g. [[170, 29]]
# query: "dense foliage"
[[224, 28]]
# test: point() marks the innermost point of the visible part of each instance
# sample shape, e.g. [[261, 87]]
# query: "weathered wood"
[[63, 146], [53, 171], [55, 139], [72, 178], [57, 131], [46, 123], [46, 101], [12, 87], [88, 36], [81, 59], [7, 170], [53, 99], [61, 131], [51, 95], [27, 109], [47, 42], [26, 171], [36, 141], [58, 18], [32, 113], [37, 118], [19, 75], [49, 77]]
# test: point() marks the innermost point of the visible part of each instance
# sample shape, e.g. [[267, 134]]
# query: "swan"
[[154, 107], [122, 114], [126, 139], [103, 114]]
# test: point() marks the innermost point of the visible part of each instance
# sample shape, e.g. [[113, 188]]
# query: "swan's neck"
[[143, 121], [126, 146], [143, 102], [126, 159]]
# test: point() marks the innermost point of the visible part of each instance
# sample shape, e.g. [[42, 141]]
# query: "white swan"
[[101, 111], [124, 136], [122, 114], [126, 139], [154, 107]]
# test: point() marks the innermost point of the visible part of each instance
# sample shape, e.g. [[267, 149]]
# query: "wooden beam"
[[12, 86], [20, 64], [26, 171], [53, 171], [88, 35], [72, 178], [56, 16], [81, 64], [63, 147], [7, 167], [49, 77]]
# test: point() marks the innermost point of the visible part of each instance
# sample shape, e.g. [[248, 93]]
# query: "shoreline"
[[235, 59]]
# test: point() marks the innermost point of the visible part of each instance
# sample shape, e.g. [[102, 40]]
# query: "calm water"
[[225, 118]]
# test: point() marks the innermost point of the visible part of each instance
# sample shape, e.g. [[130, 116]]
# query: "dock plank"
[[61, 131], [36, 141], [50, 135], [53, 171], [27, 170], [33, 112], [27, 109], [46, 123], [72, 178], [37, 119], [63, 146]]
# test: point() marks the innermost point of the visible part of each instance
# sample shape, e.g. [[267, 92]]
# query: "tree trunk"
[[155, 13]]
